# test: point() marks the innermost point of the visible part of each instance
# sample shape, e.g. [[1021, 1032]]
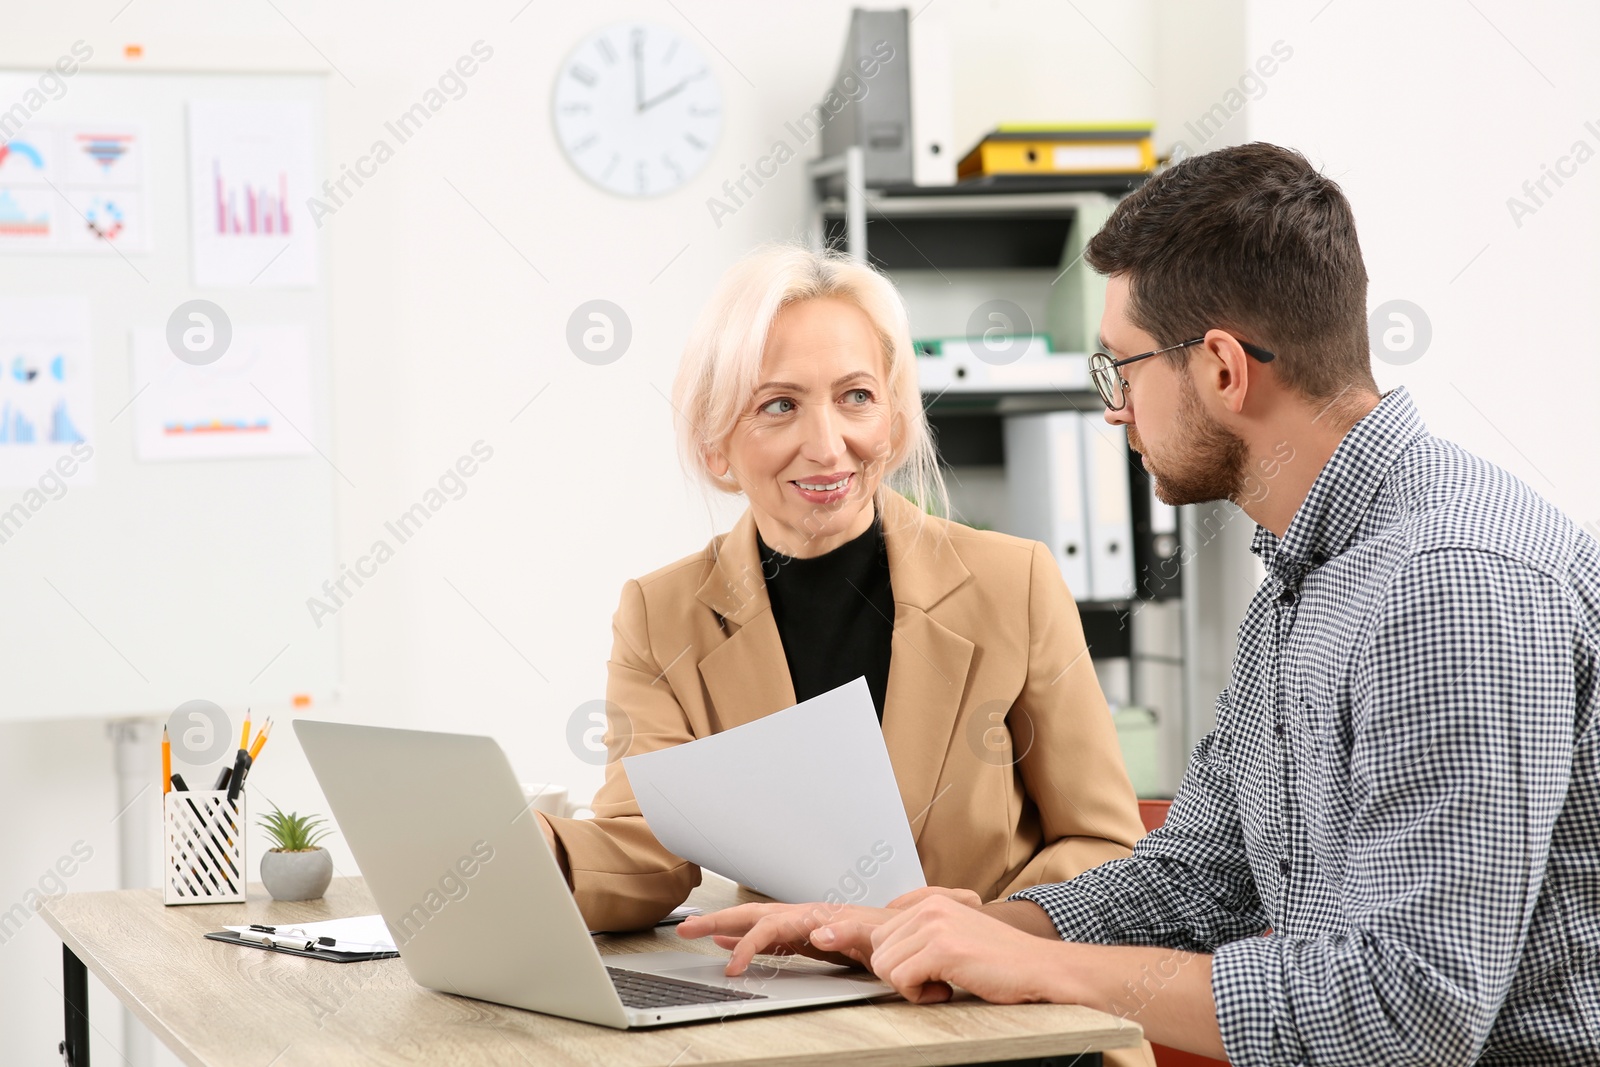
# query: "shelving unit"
[[952, 248]]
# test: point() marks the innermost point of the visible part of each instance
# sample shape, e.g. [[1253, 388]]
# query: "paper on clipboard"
[[801, 805], [360, 933]]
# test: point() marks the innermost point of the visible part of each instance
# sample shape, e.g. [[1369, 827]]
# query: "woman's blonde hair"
[[721, 365]]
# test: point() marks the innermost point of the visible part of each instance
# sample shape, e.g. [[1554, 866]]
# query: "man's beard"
[[1208, 460]]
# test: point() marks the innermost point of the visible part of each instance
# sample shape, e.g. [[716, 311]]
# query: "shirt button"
[[1278, 729], [1283, 865]]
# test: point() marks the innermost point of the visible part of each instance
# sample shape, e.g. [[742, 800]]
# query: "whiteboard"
[[163, 582]]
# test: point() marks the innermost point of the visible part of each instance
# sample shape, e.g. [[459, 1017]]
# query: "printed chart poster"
[[104, 187], [254, 401], [28, 206], [73, 188], [250, 174], [46, 387]]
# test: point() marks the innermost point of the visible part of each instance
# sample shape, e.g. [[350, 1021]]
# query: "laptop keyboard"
[[640, 990]]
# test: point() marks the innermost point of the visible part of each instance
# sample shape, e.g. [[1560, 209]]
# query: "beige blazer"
[[999, 735]]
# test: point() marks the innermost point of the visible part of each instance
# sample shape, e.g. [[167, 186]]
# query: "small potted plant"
[[297, 868]]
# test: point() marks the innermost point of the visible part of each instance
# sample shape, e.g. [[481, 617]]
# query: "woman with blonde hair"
[[798, 390]]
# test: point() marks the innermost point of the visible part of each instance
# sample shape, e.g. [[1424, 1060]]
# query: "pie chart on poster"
[[23, 149]]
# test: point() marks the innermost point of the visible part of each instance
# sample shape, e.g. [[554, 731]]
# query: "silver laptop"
[[478, 906]]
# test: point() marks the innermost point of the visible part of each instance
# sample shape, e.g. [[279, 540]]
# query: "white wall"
[[1431, 115], [442, 331]]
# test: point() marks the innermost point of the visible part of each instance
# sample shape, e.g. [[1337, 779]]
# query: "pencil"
[[166, 762], [261, 739], [244, 732]]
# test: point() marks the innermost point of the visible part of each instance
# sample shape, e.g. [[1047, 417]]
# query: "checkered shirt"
[[1403, 784]]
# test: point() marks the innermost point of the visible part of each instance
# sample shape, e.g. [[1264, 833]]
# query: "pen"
[[213, 830], [183, 787], [255, 749], [241, 766], [274, 941], [232, 779], [171, 781], [210, 823], [292, 931], [206, 829]]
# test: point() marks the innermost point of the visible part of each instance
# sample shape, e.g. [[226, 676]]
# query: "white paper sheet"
[[77, 187], [47, 427], [254, 401], [801, 805], [250, 173], [361, 933]]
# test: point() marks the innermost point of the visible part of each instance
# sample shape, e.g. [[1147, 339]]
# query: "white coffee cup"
[[552, 799]]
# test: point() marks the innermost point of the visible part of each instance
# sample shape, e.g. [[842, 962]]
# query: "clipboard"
[[228, 937]]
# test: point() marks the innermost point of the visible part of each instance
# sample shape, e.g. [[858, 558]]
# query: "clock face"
[[637, 109]]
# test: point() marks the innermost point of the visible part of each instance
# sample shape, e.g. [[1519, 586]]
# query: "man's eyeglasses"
[[1113, 387]]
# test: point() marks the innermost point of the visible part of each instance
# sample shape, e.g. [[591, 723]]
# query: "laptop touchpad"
[[758, 973]]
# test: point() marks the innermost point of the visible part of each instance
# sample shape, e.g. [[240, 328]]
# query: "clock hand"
[[638, 74], [654, 100]]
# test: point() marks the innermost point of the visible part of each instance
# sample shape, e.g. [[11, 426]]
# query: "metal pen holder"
[[203, 848]]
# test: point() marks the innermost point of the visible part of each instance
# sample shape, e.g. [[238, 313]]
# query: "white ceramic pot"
[[296, 875]]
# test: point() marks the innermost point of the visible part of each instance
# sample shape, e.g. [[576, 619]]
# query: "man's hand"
[[785, 929], [940, 942], [928, 892]]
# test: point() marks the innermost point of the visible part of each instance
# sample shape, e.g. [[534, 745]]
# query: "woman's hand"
[[785, 929], [555, 846], [548, 831]]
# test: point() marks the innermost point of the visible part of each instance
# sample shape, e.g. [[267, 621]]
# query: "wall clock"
[[637, 109]]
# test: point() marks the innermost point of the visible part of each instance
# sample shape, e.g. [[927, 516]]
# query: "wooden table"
[[213, 1003]]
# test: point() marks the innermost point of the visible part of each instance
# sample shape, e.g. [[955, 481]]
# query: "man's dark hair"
[[1253, 240]]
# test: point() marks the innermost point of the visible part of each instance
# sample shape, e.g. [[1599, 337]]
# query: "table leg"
[[75, 994]]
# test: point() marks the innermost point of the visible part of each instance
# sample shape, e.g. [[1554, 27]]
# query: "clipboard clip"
[[272, 939], [294, 937], [292, 931]]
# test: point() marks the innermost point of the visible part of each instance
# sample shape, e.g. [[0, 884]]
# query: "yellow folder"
[[1061, 150]]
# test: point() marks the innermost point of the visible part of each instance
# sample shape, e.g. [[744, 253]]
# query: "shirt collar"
[[1343, 491], [856, 554], [923, 562]]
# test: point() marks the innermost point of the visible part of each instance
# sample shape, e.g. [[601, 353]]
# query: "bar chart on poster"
[[167, 475]]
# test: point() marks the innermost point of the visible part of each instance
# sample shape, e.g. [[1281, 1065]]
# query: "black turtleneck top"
[[835, 614]]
